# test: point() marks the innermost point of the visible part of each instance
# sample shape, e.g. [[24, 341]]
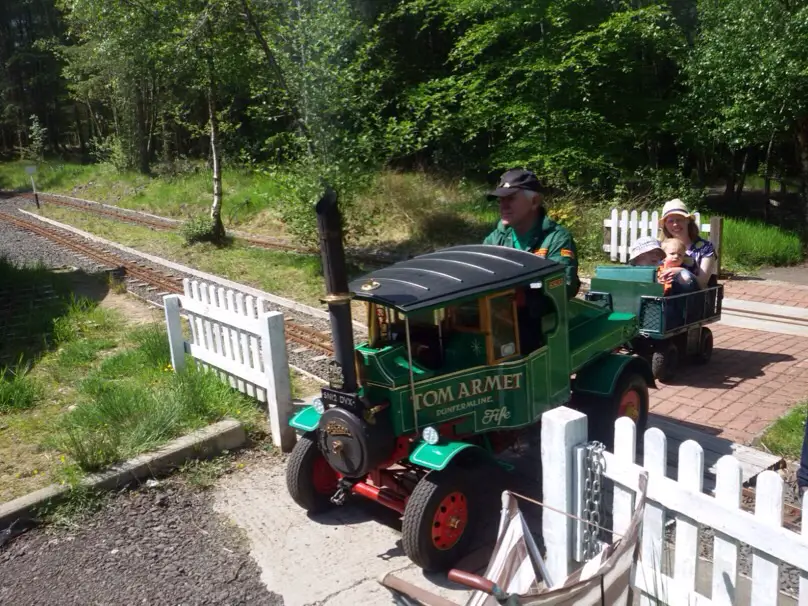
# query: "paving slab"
[[753, 378]]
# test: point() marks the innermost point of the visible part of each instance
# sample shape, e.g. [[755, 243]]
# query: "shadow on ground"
[[32, 299], [727, 369]]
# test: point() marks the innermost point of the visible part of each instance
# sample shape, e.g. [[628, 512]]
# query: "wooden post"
[[176, 342], [725, 549], [716, 232], [562, 429], [769, 510], [279, 389]]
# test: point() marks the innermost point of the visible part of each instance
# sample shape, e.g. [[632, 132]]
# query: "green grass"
[[784, 438], [18, 390], [102, 393], [752, 244]]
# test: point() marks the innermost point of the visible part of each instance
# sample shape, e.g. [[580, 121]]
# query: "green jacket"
[[551, 241]]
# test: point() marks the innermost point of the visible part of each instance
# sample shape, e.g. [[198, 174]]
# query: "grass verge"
[[102, 391], [785, 436], [752, 244]]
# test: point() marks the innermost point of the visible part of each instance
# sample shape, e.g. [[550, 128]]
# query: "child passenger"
[[681, 282], [646, 251]]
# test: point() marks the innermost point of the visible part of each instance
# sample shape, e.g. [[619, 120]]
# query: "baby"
[[675, 252]]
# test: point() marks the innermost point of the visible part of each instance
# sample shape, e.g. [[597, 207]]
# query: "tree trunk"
[[142, 133], [80, 132], [216, 207], [742, 177]]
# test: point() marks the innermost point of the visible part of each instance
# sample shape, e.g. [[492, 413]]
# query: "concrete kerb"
[[207, 442]]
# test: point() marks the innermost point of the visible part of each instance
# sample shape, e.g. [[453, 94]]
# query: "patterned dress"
[[697, 251]]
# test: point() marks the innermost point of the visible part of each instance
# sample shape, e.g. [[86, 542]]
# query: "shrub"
[[198, 229], [753, 244]]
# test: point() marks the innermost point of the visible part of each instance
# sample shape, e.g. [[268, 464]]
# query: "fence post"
[[716, 232], [562, 429], [279, 389], [176, 342]]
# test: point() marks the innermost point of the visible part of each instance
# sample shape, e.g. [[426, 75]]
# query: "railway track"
[[306, 337], [166, 224]]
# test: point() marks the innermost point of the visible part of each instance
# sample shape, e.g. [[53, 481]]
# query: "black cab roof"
[[458, 272]]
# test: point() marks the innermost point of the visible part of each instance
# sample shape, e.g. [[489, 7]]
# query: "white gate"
[[563, 440], [235, 337], [623, 228]]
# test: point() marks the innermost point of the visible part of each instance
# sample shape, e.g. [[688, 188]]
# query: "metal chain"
[[594, 463]]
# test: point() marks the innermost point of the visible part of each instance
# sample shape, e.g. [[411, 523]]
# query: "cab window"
[[466, 316], [504, 334]]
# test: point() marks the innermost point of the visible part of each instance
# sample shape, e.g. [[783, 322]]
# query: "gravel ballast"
[[161, 545]]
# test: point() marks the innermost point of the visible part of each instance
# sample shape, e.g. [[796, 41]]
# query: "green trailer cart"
[[672, 329], [467, 347]]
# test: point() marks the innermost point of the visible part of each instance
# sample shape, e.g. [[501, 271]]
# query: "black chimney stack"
[[329, 225]]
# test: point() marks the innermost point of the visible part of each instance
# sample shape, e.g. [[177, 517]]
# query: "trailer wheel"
[[439, 519], [705, 347], [309, 478], [665, 361]]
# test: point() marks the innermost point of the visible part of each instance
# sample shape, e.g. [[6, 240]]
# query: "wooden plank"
[[765, 568], [247, 324], [625, 440], [779, 542], [653, 526], [691, 474], [725, 548], [753, 462]]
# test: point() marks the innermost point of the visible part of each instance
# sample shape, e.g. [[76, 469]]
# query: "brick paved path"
[[767, 291], [753, 378]]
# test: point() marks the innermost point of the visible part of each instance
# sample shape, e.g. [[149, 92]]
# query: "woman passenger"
[[677, 222]]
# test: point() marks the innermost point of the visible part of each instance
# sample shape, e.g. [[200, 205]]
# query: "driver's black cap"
[[516, 178]]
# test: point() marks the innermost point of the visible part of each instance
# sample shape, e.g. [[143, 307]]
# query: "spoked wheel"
[[665, 361], [439, 519], [705, 347], [309, 478]]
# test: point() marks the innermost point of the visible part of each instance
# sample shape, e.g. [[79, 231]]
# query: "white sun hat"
[[643, 245]]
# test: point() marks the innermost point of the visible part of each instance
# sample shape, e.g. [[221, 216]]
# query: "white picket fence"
[[658, 580], [622, 228], [239, 339]]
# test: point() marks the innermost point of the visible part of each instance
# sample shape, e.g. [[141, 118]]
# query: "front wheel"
[[438, 520], [309, 478]]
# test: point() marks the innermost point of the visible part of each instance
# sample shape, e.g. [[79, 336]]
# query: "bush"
[[753, 244], [198, 229]]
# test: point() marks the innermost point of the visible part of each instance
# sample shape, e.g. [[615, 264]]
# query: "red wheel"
[[438, 519], [324, 477], [450, 521], [630, 405], [309, 478]]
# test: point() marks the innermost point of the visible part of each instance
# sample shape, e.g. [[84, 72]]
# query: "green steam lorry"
[[467, 346]]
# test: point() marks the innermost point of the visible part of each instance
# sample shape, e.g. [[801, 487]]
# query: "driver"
[[525, 225]]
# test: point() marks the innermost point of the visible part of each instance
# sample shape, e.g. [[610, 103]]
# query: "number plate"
[[332, 397]]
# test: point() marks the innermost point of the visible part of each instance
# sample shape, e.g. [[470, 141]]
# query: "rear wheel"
[[665, 361], [630, 399], [705, 347], [439, 519], [309, 478]]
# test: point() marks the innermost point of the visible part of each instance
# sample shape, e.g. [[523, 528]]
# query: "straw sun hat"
[[674, 207]]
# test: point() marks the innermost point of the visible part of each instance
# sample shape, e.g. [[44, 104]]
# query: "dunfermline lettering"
[[468, 389]]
